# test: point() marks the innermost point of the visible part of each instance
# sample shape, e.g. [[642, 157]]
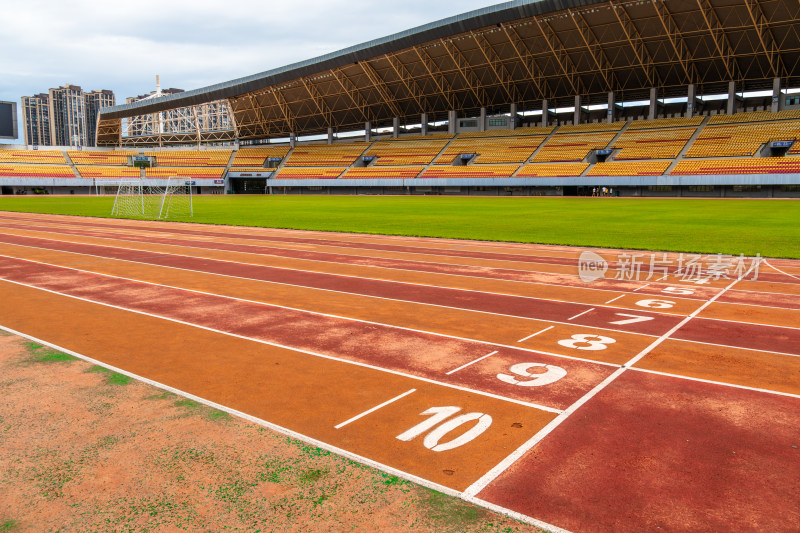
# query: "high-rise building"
[[95, 101], [36, 119], [65, 116]]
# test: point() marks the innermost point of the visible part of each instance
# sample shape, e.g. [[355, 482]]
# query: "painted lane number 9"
[[437, 428]]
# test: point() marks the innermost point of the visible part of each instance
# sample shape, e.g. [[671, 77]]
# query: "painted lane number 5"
[[437, 428]]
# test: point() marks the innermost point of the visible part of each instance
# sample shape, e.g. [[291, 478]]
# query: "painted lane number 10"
[[437, 428]]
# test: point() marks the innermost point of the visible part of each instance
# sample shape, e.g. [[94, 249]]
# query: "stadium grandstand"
[[543, 97]]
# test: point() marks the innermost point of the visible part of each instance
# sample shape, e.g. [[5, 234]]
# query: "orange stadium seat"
[[326, 155], [758, 165], [552, 170], [572, 147], [630, 168], [35, 171], [405, 173], [508, 133], [257, 156], [755, 116], [189, 172], [53, 157], [502, 149], [664, 143], [321, 173], [191, 158], [112, 157], [101, 172], [674, 122], [592, 127], [741, 139], [471, 171], [402, 152]]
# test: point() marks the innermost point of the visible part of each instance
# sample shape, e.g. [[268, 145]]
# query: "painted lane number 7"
[[437, 428]]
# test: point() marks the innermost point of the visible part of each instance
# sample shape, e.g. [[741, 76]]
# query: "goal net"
[[135, 199]]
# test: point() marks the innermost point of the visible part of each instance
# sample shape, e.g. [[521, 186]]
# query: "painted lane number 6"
[[438, 428]]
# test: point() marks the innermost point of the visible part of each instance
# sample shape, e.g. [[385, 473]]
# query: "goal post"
[[177, 198], [171, 198]]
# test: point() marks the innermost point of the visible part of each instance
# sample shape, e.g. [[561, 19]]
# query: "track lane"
[[303, 393], [414, 353], [723, 364], [525, 307]]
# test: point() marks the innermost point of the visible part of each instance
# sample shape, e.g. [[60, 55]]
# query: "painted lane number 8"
[[437, 428], [584, 341]]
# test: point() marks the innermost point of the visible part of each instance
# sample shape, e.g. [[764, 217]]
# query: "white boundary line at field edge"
[[506, 463], [323, 234], [773, 267], [300, 436]]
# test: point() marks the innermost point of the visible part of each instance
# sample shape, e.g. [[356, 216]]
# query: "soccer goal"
[[135, 199]]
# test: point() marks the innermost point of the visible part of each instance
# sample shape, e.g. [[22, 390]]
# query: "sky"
[[190, 43]]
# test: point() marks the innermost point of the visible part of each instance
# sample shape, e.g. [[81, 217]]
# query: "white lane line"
[[173, 254], [773, 267], [269, 425], [581, 314], [506, 463], [290, 348], [614, 299], [725, 384], [643, 287], [321, 272], [319, 313], [462, 367], [534, 334], [368, 411], [678, 339], [284, 284]]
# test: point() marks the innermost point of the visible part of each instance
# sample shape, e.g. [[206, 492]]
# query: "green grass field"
[[767, 227]]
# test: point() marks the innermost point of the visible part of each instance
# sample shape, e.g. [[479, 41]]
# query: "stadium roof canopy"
[[516, 52]]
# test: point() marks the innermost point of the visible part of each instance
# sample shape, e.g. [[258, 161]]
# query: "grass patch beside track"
[[728, 226]]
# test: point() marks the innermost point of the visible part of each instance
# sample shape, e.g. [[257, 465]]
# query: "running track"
[[488, 371]]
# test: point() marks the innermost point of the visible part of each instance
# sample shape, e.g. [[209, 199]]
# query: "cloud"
[[190, 43]]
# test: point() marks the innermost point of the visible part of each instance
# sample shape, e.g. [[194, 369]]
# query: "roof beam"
[[498, 67], [318, 101], [408, 81], [673, 34], [518, 44], [285, 110], [595, 49], [386, 96], [765, 37], [352, 93], [257, 110], [637, 44], [462, 65], [438, 79], [560, 55], [720, 38]]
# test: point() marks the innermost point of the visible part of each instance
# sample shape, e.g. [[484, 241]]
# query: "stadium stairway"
[[69, 161], [688, 145], [443, 150], [538, 148]]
